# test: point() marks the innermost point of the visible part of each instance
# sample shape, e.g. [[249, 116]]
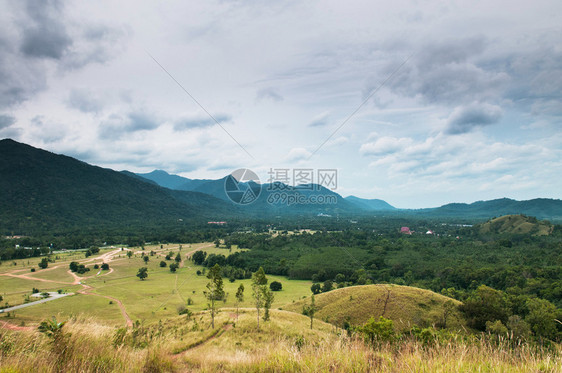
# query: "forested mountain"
[[370, 204], [41, 190]]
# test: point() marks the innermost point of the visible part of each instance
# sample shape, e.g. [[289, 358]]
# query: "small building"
[[405, 230]]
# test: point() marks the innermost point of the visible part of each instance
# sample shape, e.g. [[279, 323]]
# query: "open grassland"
[[158, 297], [406, 306], [284, 344]]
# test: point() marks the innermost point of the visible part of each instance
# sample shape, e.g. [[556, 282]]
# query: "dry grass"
[[404, 305], [284, 344]]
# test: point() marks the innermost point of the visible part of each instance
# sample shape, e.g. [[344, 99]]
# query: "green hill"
[[42, 191], [516, 224], [404, 305]]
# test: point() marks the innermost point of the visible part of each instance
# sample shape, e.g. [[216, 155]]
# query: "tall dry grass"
[[284, 344]]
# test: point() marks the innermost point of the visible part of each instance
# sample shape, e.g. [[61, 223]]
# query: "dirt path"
[[87, 291], [7, 325]]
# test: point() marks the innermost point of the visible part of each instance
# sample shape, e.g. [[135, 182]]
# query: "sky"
[[418, 103]]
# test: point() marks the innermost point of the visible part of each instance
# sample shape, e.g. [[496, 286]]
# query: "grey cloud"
[[269, 94], [84, 101], [6, 121], [447, 73], [185, 124], [116, 126], [465, 118], [47, 37]]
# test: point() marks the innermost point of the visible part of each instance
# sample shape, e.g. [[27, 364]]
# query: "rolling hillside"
[[516, 224], [370, 204], [404, 305]]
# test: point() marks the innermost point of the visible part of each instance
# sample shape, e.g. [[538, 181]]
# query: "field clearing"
[[156, 298]]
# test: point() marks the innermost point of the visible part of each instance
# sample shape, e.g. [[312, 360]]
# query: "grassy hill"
[[404, 305], [516, 224]]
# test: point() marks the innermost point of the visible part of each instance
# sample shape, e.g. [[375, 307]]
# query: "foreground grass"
[[284, 344]]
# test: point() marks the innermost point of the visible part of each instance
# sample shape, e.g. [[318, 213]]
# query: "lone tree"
[[259, 292], [268, 298], [173, 267], [163, 264], [178, 258], [239, 298], [44, 263], [145, 258], [129, 254], [215, 290], [105, 266], [276, 286], [142, 273], [310, 310]]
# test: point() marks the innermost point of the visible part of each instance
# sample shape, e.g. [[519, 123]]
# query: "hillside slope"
[[40, 190], [404, 305], [516, 224]]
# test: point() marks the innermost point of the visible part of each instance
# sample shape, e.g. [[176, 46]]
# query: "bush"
[[105, 266], [163, 264], [276, 286]]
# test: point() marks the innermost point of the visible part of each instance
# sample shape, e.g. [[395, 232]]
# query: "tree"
[[315, 288], [310, 310], [142, 273], [44, 263], [163, 264], [485, 305], [268, 298], [105, 266], [275, 286], [145, 258], [199, 257], [178, 258], [541, 318], [259, 283], [217, 242], [215, 290], [129, 254], [173, 267], [239, 298], [328, 286]]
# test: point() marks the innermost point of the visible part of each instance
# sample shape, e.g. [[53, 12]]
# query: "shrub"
[[276, 286]]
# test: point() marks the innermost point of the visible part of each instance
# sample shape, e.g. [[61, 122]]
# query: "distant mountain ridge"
[[370, 204], [40, 190]]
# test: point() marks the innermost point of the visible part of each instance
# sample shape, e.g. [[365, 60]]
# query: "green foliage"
[[310, 310], [261, 294], [142, 273], [382, 330], [485, 305], [105, 266], [316, 288], [163, 264], [145, 258], [44, 263], [275, 286], [215, 290], [174, 267], [541, 318], [199, 257]]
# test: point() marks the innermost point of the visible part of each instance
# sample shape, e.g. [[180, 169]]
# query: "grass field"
[[156, 298]]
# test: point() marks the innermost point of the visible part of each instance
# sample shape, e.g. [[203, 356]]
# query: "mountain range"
[[40, 190]]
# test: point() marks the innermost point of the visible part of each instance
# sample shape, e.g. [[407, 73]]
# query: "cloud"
[[297, 154], [385, 145], [320, 120], [6, 121], [200, 122], [47, 36], [465, 118], [268, 94], [84, 101], [115, 126]]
